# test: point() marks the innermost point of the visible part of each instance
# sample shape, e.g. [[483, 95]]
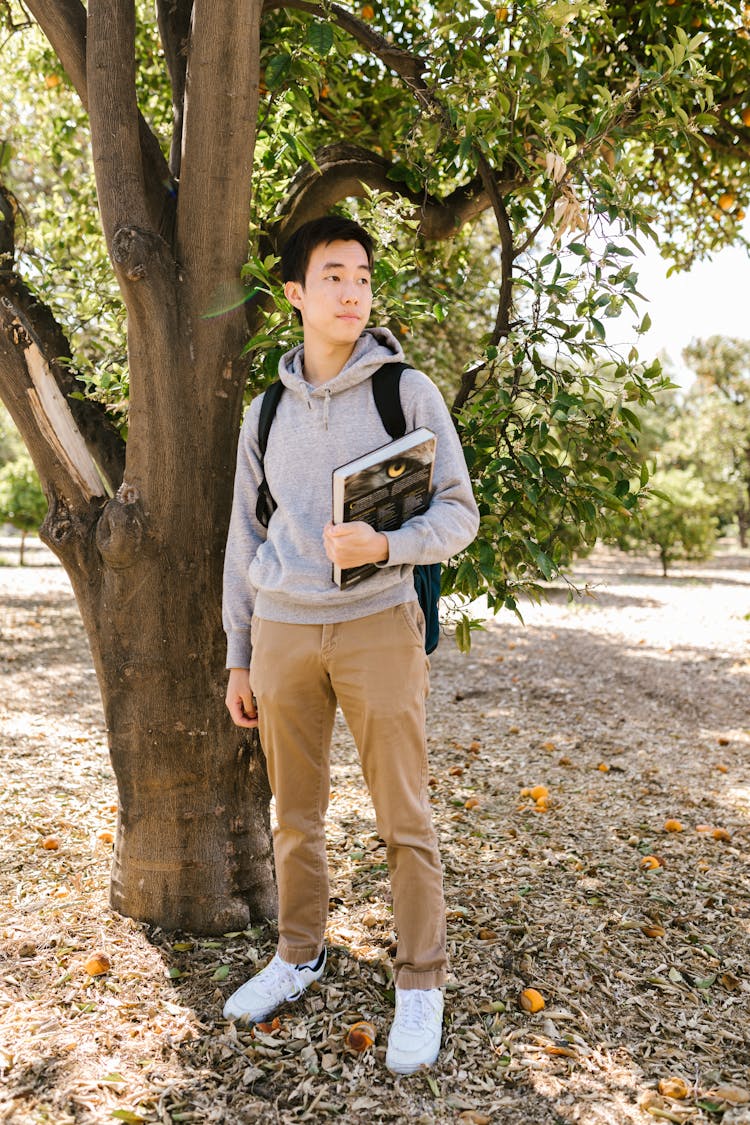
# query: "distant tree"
[[718, 414], [22, 502], [677, 518], [11, 445]]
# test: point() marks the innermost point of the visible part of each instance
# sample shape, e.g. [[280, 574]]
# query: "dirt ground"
[[629, 704]]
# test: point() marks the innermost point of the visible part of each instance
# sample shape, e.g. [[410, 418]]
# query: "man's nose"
[[350, 295]]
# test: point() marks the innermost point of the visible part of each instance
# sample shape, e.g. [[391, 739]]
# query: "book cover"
[[385, 488]]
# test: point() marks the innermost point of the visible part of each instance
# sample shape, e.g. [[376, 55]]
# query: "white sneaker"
[[272, 987], [414, 1040]]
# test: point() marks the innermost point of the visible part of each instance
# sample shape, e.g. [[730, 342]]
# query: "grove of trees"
[[511, 161]]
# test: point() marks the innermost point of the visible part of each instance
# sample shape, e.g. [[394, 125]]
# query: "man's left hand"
[[354, 544]]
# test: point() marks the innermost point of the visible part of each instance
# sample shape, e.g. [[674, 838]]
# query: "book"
[[385, 488]]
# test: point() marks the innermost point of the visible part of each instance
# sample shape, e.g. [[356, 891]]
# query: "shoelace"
[[279, 972], [415, 1010]]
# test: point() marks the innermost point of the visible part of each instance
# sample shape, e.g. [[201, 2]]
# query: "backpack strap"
[[268, 406], [385, 390], [266, 505]]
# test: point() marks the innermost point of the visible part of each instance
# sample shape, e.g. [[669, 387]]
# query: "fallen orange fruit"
[[673, 1087], [97, 964], [653, 931], [360, 1036], [51, 844], [721, 834], [672, 826], [649, 862], [531, 1000]]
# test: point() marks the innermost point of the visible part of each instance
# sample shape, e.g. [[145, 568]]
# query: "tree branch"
[[30, 328], [174, 29], [345, 170], [221, 105], [113, 111], [404, 63], [64, 25]]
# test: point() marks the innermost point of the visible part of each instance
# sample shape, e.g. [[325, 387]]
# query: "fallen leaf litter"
[[641, 969]]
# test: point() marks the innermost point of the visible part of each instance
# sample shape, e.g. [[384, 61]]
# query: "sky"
[[711, 299]]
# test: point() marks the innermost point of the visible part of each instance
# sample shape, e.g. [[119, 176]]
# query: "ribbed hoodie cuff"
[[238, 650]]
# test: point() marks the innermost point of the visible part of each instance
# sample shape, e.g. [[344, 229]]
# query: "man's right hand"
[[239, 698]]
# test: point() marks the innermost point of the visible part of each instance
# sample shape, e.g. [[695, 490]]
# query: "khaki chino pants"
[[377, 670]]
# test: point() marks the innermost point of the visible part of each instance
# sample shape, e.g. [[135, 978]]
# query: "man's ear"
[[294, 292]]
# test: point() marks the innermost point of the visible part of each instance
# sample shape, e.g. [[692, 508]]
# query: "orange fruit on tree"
[[746, 116], [368, 12], [726, 201]]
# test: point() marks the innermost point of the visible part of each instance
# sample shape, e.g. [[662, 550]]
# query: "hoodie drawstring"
[[326, 401]]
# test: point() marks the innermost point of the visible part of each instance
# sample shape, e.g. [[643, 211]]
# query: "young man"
[[298, 644]]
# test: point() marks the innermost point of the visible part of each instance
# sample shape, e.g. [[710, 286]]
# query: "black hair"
[[295, 257]]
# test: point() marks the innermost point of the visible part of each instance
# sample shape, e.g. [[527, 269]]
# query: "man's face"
[[336, 298]]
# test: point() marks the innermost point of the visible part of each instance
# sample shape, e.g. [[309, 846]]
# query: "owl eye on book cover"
[[385, 488]]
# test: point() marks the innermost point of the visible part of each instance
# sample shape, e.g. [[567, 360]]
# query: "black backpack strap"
[[266, 505], [385, 389], [268, 406]]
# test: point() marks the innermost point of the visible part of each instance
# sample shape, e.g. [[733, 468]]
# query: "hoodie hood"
[[374, 347]]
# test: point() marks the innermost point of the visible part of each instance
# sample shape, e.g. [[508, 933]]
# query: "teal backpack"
[[385, 389]]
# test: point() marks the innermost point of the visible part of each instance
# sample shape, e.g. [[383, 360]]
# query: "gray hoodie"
[[282, 573]]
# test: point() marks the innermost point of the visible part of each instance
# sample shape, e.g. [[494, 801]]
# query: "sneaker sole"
[[409, 1068]]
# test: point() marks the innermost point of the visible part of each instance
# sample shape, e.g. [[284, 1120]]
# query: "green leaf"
[[276, 69], [127, 1115], [221, 973], [320, 37]]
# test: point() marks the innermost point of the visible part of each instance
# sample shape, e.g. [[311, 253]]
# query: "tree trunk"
[[21, 547], [743, 523], [192, 848]]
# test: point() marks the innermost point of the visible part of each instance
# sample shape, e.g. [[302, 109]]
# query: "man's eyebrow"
[[341, 266]]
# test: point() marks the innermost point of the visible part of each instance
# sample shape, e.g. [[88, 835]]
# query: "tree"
[[22, 502], [678, 518], [719, 403], [11, 445], [560, 121]]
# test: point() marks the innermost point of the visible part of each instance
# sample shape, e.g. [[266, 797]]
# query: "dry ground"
[[629, 706]]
